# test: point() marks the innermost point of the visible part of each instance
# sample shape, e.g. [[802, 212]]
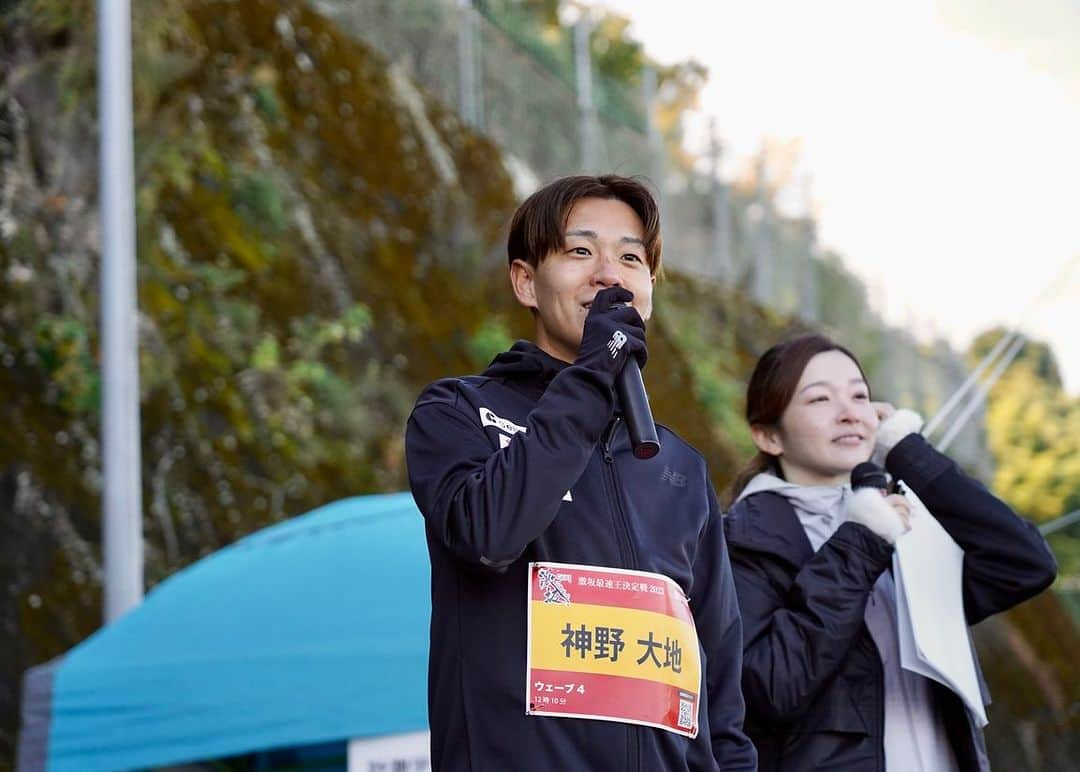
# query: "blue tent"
[[312, 630]]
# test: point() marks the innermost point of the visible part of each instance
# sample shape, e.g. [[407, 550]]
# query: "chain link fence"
[[552, 115]]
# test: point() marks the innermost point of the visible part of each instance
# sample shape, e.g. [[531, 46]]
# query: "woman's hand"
[[887, 516], [900, 505], [895, 425], [884, 410]]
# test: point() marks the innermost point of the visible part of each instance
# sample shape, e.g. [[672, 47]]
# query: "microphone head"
[[868, 475], [646, 449]]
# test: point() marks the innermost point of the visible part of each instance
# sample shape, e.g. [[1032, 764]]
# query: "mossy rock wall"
[[317, 240]]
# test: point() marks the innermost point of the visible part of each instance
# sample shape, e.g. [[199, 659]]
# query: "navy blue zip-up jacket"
[[491, 459]]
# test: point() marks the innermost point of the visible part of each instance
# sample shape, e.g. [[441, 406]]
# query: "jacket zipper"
[[629, 559], [622, 529]]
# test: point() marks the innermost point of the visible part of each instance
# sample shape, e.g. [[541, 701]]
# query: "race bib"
[[611, 644]]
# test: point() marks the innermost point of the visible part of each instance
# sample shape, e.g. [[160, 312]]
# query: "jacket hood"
[[823, 496], [525, 361], [818, 507]]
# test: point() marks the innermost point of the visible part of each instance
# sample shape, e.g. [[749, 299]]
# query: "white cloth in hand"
[[868, 507], [893, 429]]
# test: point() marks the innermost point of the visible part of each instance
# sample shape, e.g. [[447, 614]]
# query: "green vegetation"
[[490, 338], [306, 265], [1034, 436]]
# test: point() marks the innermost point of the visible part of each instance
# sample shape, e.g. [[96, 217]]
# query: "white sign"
[[934, 639], [408, 752]]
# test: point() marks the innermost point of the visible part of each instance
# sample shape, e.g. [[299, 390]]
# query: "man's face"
[[603, 247]]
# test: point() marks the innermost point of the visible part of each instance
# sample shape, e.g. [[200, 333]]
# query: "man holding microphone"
[[583, 609]]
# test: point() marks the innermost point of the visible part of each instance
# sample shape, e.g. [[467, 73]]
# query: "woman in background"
[[821, 660]]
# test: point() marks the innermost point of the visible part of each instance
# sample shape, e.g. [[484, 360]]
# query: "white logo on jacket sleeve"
[[487, 418], [618, 340]]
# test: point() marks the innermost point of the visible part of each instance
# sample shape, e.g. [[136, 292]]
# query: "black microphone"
[[869, 475], [636, 411]]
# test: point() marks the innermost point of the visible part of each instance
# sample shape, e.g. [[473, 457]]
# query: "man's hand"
[[613, 331]]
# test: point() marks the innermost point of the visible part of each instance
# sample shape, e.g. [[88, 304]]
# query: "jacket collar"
[[766, 522]]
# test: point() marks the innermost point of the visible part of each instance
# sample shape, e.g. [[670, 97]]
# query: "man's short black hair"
[[539, 223]]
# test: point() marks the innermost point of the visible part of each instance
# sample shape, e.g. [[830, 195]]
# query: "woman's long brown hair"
[[769, 392]]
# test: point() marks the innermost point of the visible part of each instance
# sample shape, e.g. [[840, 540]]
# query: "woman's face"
[[828, 427]]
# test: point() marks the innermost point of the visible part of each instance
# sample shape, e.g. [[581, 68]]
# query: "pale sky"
[[942, 140]]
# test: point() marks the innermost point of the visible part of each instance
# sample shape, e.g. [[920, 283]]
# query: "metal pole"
[[655, 141], [475, 21], [586, 107], [1053, 287], [122, 465], [808, 295], [915, 367], [721, 221], [1060, 522], [965, 387], [467, 70], [762, 276], [980, 395]]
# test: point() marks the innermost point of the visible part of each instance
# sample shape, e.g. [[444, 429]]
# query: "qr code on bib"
[[686, 714]]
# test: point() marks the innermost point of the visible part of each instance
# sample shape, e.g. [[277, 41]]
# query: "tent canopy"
[[312, 630]]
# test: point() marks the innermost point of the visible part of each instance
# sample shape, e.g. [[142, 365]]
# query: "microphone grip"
[[636, 411]]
